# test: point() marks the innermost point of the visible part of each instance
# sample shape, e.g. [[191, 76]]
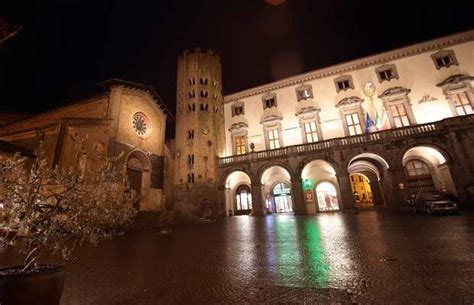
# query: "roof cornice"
[[378, 59]]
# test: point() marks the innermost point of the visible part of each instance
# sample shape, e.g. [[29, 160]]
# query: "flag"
[[369, 124], [382, 122]]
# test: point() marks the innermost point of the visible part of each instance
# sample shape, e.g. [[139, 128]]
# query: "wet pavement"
[[370, 257]]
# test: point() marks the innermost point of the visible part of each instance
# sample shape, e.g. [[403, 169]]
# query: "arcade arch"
[[276, 183], [238, 194], [427, 170], [320, 187], [366, 174]]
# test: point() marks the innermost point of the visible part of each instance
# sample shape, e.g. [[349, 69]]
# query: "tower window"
[[203, 81], [192, 107], [204, 107], [190, 159], [192, 94], [191, 134], [191, 178], [192, 81], [215, 96], [215, 83], [204, 94]]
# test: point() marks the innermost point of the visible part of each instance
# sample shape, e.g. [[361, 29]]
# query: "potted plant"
[[49, 211]]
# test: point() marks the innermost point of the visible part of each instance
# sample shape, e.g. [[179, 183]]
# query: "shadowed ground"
[[370, 257]]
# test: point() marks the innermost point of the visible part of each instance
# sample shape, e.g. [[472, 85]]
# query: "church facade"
[[126, 121]]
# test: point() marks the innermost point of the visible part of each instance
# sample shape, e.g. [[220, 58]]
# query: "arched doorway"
[[320, 173], [238, 194], [138, 172], [361, 190], [276, 184], [243, 199], [427, 170], [326, 196], [282, 198], [367, 173]]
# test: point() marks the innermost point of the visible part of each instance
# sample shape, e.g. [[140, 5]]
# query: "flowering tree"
[[54, 210]]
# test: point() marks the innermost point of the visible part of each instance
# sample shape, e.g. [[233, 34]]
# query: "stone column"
[[257, 200], [299, 206], [345, 190], [228, 202], [395, 196]]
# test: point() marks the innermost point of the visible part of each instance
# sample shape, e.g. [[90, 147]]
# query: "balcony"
[[384, 136]]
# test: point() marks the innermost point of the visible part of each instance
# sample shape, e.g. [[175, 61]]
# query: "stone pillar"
[[299, 206], [228, 202], [257, 200], [395, 196], [345, 190]]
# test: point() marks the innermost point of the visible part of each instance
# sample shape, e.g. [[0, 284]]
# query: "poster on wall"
[[308, 196]]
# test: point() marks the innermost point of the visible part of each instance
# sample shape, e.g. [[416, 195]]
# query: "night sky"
[[67, 47]]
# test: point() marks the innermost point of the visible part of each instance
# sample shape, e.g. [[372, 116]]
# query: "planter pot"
[[40, 286]]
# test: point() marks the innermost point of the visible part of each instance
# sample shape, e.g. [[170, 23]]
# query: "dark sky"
[[67, 47]]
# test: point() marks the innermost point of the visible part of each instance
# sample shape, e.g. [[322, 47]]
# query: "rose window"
[[140, 124]]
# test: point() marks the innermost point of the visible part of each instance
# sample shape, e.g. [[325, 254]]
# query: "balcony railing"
[[384, 135]]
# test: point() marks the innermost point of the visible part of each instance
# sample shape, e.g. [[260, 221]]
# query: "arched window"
[[244, 198], [282, 195], [417, 168]]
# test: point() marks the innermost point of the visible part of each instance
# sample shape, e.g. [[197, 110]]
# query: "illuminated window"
[[417, 168], [240, 146], [273, 138], [311, 132], [354, 126], [400, 116], [243, 198], [462, 103]]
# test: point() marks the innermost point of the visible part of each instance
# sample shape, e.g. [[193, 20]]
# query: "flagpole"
[[11, 34]]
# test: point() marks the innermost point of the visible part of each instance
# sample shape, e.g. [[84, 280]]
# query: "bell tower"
[[199, 133]]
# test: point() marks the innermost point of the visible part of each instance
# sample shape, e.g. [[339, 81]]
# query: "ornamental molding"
[[238, 127], [426, 98], [456, 80], [351, 100], [394, 92], [346, 67], [309, 110]]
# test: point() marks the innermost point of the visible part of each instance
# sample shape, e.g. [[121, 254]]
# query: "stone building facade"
[[200, 135], [400, 121], [127, 120]]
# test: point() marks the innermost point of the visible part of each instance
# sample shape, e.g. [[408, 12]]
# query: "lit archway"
[[326, 196], [426, 170], [366, 173], [320, 173], [276, 182], [238, 193]]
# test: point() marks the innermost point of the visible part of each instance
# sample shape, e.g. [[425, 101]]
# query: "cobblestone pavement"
[[368, 258]]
